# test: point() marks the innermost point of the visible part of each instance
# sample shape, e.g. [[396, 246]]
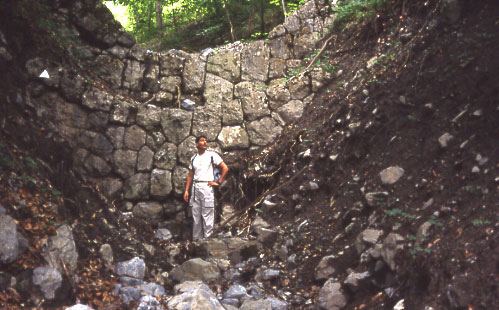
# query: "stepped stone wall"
[[133, 134]]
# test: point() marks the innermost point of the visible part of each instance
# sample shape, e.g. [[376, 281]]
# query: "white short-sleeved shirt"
[[203, 169]]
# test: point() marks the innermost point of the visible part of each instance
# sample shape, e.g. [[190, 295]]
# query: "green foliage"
[[480, 222], [357, 11], [399, 212], [56, 193], [434, 221], [31, 163], [414, 251], [196, 24], [5, 159]]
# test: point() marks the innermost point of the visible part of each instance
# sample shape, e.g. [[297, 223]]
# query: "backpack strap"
[[192, 163]]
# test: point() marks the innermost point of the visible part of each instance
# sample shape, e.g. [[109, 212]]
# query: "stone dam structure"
[[131, 115]]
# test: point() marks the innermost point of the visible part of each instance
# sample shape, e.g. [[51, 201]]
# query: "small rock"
[[269, 274], [391, 175], [325, 269], [106, 252], [136, 267], [79, 307], [428, 203], [445, 139], [163, 234], [481, 160], [188, 104], [331, 296], [475, 169], [375, 198]]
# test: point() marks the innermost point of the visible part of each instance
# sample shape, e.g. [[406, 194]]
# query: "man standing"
[[202, 178]]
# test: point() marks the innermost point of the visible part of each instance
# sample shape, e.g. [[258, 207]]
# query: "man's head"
[[200, 137], [201, 143]]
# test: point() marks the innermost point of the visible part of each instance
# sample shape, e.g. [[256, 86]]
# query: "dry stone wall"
[[133, 134]]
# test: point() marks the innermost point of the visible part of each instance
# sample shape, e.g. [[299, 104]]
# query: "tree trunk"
[[159, 17], [232, 33], [262, 17], [284, 8]]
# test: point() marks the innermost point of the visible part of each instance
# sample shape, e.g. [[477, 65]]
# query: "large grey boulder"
[[96, 166], [137, 186], [148, 116], [255, 61], [280, 47], [171, 63], [110, 187], [48, 279], [68, 114], [61, 249], [194, 73], [161, 183], [278, 93], [300, 87], [207, 121], [292, 23], [233, 137], [150, 211], [291, 111], [225, 63], [263, 131], [124, 162], [110, 69], [9, 244], [155, 139], [176, 124], [253, 99], [170, 83], [145, 159], [135, 268], [134, 75], [166, 156], [186, 150], [232, 112], [331, 296], [305, 43], [179, 176], [96, 142], [72, 85], [308, 10], [135, 137], [115, 136], [151, 78], [121, 113], [195, 269], [97, 99], [217, 90]]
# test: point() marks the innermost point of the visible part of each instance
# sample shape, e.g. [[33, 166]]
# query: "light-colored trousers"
[[203, 210]]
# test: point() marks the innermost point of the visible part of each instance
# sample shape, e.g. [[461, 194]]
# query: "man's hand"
[[211, 183], [186, 196]]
